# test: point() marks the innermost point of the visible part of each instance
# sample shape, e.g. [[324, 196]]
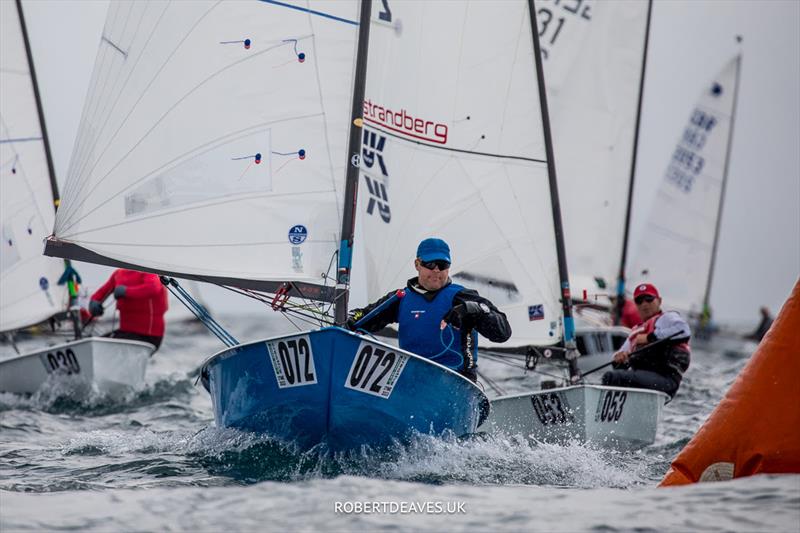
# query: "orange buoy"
[[755, 429]]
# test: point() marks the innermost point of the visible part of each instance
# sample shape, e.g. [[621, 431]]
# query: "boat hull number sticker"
[[610, 409], [375, 369], [62, 362], [292, 361], [551, 409]]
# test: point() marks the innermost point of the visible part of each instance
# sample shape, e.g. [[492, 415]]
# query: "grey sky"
[[759, 251]]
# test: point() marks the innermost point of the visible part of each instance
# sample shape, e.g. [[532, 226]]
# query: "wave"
[[76, 397]]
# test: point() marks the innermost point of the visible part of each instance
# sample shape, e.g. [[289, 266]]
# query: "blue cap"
[[433, 249]]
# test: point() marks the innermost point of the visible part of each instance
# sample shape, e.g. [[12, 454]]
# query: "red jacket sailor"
[[142, 302]]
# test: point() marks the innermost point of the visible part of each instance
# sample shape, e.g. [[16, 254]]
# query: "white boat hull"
[[611, 417], [108, 365]]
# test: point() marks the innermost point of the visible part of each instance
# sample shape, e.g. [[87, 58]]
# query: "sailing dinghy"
[[220, 143], [479, 173], [29, 289], [694, 185]]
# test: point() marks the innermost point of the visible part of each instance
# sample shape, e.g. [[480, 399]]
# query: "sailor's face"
[[648, 306], [431, 279]]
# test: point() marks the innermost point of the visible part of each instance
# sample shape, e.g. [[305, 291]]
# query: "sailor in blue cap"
[[437, 318]]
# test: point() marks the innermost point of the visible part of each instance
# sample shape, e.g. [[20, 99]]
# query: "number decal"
[[609, 409], [62, 362], [292, 361], [386, 13], [375, 370], [551, 408], [563, 14]]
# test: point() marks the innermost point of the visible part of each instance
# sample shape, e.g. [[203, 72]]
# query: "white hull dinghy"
[[109, 366], [609, 417]]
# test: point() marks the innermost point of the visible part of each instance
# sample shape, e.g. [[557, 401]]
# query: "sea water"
[[153, 460]]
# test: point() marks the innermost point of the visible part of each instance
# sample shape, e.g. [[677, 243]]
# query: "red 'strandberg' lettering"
[[403, 122]]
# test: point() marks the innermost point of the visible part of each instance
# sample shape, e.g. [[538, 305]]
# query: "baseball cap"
[[433, 249], [646, 288]]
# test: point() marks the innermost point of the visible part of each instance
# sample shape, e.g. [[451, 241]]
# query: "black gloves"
[[95, 308], [119, 291], [465, 315]]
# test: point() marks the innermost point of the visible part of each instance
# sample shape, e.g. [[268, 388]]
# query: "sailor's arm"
[[378, 321], [485, 317], [669, 324]]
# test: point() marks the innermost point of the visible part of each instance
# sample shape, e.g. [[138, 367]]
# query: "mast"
[[624, 258], [39, 109], [707, 295], [354, 155], [566, 300]]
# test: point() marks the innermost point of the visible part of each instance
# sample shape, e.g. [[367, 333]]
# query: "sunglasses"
[[440, 263], [644, 298]]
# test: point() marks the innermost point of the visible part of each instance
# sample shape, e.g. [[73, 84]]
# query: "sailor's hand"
[[352, 318], [463, 315], [119, 291], [95, 308], [621, 358]]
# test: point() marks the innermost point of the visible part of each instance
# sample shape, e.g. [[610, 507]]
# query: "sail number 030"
[[63, 361]]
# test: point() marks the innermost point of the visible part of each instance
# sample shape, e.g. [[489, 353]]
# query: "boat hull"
[[335, 387], [109, 365], [610, 417]]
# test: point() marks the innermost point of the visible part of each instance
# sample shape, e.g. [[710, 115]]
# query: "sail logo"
[[536, 312], [298, 234], [405, 123], [372, 154], [372, 150]]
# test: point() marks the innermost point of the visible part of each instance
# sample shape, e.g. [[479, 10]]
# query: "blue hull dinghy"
[[335, 387]]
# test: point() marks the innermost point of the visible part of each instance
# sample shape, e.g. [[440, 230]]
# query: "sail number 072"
[[375, 370], [292, 362]]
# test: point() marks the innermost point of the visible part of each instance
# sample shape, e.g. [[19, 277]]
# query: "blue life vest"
[[419, 322]]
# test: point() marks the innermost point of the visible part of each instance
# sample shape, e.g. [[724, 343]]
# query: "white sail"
[[676, 248], [593, 53], [213, 141], [28, 289], [454, 148]]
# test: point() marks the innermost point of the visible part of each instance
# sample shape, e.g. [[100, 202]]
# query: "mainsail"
[[677, 247], [213, 143], [28, 281], [453, 147], [594, 61]]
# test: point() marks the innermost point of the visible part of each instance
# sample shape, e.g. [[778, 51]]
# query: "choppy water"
[[154, 461]]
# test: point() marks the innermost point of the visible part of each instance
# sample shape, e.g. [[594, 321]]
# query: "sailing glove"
[[465, 315], [352, 319], [119, 291], [95, 308]]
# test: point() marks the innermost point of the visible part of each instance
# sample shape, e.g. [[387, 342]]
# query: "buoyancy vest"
[[671, 359], [419, 328]]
